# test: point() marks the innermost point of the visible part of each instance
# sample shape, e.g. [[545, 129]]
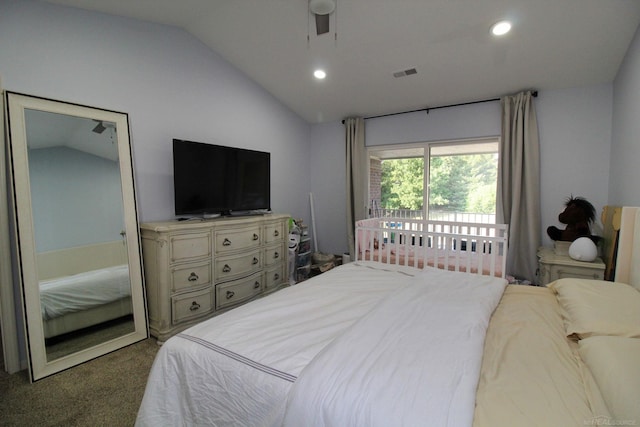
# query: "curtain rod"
[[427, 109]]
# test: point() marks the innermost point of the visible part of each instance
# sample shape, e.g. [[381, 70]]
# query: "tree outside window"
[[462, 180]]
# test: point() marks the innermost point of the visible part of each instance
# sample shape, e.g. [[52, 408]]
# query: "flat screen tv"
[[214, 180]]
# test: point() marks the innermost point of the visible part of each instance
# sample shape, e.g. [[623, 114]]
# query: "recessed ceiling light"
[[319, 74], [501, 28]]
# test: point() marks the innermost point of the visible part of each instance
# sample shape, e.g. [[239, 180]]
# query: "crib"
[[467, 247]]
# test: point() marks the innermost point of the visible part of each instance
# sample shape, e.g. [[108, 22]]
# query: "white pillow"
[[597, 307], [614, 363]]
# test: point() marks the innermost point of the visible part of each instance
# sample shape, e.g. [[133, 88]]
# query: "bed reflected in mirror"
[[78, 232], [78, 220]]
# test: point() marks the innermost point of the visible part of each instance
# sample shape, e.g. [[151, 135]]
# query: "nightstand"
[[554, 266]]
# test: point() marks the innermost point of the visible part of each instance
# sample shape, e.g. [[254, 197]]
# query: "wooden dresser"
[[197, 269]]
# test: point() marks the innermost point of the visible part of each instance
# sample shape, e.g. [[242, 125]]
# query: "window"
[[457, 179]]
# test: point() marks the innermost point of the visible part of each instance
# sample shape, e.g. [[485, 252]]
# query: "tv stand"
[[247, 213], [238, 213], [196, 270]]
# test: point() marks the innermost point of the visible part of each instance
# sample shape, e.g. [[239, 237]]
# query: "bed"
[[473, 247], [374, 343], [82, 287]]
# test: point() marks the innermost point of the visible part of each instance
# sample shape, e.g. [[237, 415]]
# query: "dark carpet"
[[106, 391]]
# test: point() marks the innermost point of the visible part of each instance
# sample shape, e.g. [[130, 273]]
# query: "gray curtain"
[[356, 176], [518, 198]]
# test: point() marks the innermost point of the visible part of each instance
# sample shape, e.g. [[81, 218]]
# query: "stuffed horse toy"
[[578, 215]]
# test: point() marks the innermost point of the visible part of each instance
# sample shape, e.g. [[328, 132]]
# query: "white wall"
[[67, 211], [624, 188], [328, 183], [469, 121], [170, 84], [575, 141], [575, 145]]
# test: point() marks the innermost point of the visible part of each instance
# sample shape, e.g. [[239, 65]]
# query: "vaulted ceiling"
[[553, 44]]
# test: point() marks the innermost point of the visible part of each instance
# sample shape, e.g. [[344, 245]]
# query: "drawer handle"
[[255, 236], [276, 233], [194, 306], [193, 277], [276, 255], [256, 285], [276, 276], [226, 242], [226, 268], [255, 260], [230, 294]]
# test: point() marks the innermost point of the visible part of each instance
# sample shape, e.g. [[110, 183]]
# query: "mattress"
[[83, 291], [241, 367], [237, 368]]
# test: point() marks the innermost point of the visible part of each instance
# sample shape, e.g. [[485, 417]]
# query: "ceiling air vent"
[[403, 73]]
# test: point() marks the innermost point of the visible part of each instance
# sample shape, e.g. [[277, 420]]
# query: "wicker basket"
[[323, 261]]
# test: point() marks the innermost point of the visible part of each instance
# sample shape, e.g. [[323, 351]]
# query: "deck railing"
[[396, 213], [478, 218]]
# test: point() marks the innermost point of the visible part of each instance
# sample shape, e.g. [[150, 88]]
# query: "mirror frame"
[[39, 367]]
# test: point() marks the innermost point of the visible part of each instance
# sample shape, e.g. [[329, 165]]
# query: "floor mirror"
[[77, 227]]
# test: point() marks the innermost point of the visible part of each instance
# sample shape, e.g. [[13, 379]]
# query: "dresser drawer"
[[185, 276], [564, 271], [274, 232], [229, 267], [189, 246], [191, 305], [231, 240], [234, 292], [274, 277], [274, 254]]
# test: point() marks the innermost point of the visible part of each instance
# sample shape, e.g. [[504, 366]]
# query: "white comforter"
[[238, 368], [412, 361], [83, 291]]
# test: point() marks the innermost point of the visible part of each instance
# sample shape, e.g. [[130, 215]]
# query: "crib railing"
[[470, 247]]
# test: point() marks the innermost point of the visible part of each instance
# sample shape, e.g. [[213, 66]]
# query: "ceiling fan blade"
[[322, 24], [99, 128]]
